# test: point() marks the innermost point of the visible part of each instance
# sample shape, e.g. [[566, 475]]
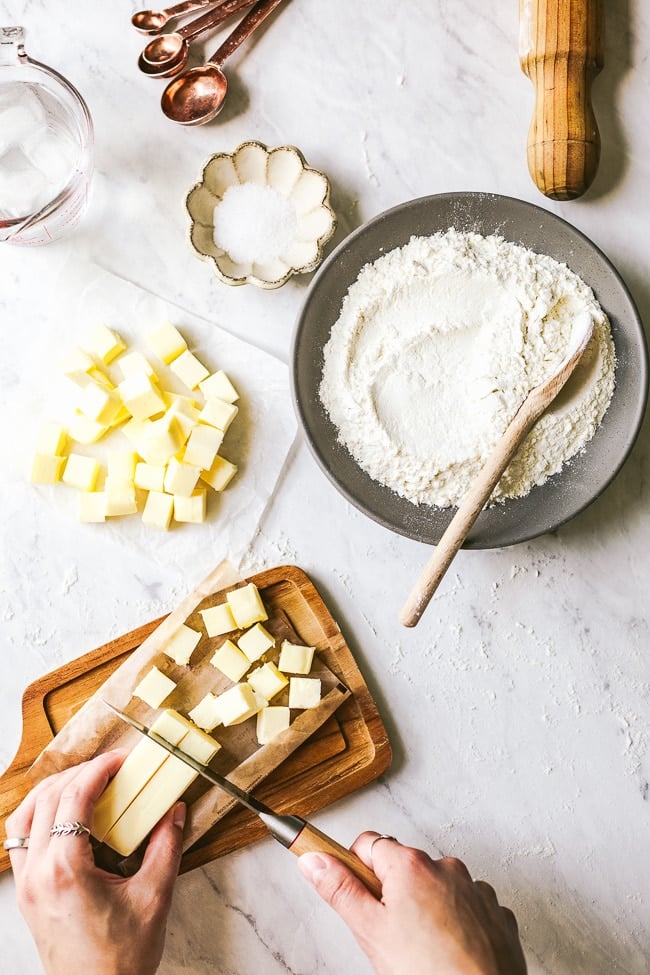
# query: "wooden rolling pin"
[[561, 49]]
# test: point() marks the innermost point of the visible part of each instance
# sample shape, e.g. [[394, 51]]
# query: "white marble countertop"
[[518, 709]]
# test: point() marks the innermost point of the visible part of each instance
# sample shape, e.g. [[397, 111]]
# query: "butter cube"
[[295, 659], [135, 362], [182, 644], [84, 430], [161, 439], [270, 722], [104, 343], [99, 404], [255, 642], [76, 366], [186, 415], [246, 606], [158, 510], [218, 413], [202, 446], [46, 469], [141, 397], [121, 466], [200, 746], [149, 477], [237, 704], [304, 692], [180, 478], [154, 688], [167, 342], [218, 386], [135, 771], [191, 510], [189, 369], [81, 472], [230, 661], [52, 440], [220, 474], [267, 680], [207, 714], [120, 498], [92, 506], [218, 620], [135, 431]]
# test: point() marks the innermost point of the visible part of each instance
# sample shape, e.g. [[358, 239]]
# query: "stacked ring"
[[16, 843]]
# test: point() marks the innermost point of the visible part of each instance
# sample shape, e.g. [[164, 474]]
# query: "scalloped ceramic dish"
[[283, 169]]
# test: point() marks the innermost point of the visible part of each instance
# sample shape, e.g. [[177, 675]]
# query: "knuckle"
[[510, 918], [340, 893], [415, 859], [455, 865]]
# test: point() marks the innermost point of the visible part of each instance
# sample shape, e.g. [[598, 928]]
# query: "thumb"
[[344, 892], [162, 857]]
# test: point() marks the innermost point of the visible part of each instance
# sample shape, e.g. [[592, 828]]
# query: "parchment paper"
[[80, 295], [95, 729]]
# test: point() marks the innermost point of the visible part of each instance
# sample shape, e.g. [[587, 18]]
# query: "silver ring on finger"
[[69, 829], [15, 843], [382, 836]]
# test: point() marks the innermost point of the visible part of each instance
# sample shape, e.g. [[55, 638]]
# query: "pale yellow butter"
[[189, 369], [182, 644], [267, 680], [246, 606], [92, 506], [219, 386], [218, 413], [202, 446], [83, 430], [218, 620], [99, 404], [271, 721], [256, 641], [135, 362], [141, 397], [52, 439], [154, 688], [81, 472], [46, 469], [230, 661], [181, 478], [295, 659], [160, 440], [158, 510], [206, 714], [120, 498], [191, 510], [304, 692], [104, 343], [167, 342], [149, 477], [121, 466], [237, 704], [220, 474]]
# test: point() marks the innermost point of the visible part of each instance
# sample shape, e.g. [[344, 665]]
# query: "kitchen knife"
[[293, 832]]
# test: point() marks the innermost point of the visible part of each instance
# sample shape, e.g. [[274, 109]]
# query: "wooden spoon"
[[468, 511]]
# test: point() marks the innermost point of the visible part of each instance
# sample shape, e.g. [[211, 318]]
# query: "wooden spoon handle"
[[251, 22], [311, 840], [561, 49]]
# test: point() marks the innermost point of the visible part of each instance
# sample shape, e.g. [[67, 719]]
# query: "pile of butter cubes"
[[175, 439], [150, 780]]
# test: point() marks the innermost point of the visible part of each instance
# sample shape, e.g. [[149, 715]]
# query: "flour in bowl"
[[437, 345]]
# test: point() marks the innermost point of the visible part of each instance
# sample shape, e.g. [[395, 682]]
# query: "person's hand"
[[433, 919], [86, 921]]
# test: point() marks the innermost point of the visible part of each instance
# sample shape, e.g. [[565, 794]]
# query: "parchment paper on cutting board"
[[82, 295]]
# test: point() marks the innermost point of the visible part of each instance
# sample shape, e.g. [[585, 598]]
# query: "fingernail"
[[312, 866], [180, 812]]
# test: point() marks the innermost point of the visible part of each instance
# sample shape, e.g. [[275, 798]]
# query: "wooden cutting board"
[[348, 751]]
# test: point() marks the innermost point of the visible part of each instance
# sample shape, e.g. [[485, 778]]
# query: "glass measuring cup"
[[46, 147]]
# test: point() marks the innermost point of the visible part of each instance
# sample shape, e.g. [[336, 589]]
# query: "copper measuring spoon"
[[153, 21], [167, 55], [197, 95]]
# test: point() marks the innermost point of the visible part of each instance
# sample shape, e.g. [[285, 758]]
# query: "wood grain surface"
[[562, 51], [347, 752]]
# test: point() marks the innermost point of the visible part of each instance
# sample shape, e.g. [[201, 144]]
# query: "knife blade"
[[293, 832]]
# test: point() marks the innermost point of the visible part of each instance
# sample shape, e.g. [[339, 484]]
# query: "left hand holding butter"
[[82, 918]]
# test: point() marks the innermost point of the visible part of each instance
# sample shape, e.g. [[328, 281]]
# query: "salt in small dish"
[[260, 215]]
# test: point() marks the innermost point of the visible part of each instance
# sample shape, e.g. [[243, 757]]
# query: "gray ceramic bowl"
[[584, 477]]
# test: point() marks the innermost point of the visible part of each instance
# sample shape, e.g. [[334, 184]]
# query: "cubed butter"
[[158, 510], [237, 704], [218, 413], [181, 478], [247, 606], [218, 386], [160, 440], [121, 466], [218, 620], [135, 771], [135, 431], [141, 396], [295, 659], [206, 714], [99, 404], [154, 688], [81, 472], [304, 692], [52, 439], [189, 369], [120, 498], [167, 342], [202, 446], [270, 722], [191, 510], [135, 362], [182, 644], [46, 469], [267, 680], [230, 661], [255, 642], [92, 506], [220, 474], [83, 430], [149, 477], [104, 343], [76, 366]]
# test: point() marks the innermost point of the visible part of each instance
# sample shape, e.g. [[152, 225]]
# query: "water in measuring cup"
[[39, 148]]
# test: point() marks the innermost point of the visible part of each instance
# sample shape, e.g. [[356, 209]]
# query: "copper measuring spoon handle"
[[251, 21], [153, 21], [210, 19]]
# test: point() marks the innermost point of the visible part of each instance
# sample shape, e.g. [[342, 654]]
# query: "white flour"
[[437, 345]]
